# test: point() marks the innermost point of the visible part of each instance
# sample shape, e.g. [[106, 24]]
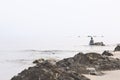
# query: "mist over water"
[[18, 53], [54, 43], [33, 29], [28, 24]]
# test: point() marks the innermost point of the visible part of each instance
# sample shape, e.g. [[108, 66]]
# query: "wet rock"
[[117, 48], [107, 53]]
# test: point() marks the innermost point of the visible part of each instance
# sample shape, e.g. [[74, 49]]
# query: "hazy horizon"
[[48, 24]]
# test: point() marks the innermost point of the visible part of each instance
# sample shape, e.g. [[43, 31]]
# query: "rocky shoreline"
[[71, 68]]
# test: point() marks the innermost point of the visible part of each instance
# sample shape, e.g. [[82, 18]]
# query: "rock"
[[92, 71], [38, 61], [117, 48], [107, 53], [53, 61], [75, 63], [48, 71], [80, 62], [99, 44], [93, 56], [70, 68]]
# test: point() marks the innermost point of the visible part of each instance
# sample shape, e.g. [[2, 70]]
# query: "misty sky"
[[46, 22]]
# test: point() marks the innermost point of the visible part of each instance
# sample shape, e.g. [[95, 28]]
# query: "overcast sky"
[[50, 21]]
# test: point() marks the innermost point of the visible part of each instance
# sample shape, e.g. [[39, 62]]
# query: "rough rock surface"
[[48, 71], [52, 61], [117, 48], [70, 68], [107, 53], [99, 44], [81, 62]]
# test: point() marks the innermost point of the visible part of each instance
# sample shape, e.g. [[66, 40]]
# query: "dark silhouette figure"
[[91, 41], [95, 43]]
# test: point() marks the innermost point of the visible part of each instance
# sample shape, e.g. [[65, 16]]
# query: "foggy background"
[[56, 24]]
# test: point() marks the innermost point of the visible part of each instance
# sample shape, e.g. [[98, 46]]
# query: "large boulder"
[[117, 48], [48, 71], [75, 63], [80, 62]]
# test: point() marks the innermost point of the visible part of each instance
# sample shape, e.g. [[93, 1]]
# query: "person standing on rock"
[[91, 41]]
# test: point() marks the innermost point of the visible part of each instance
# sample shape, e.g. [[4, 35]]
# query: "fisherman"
[[91, 41]]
